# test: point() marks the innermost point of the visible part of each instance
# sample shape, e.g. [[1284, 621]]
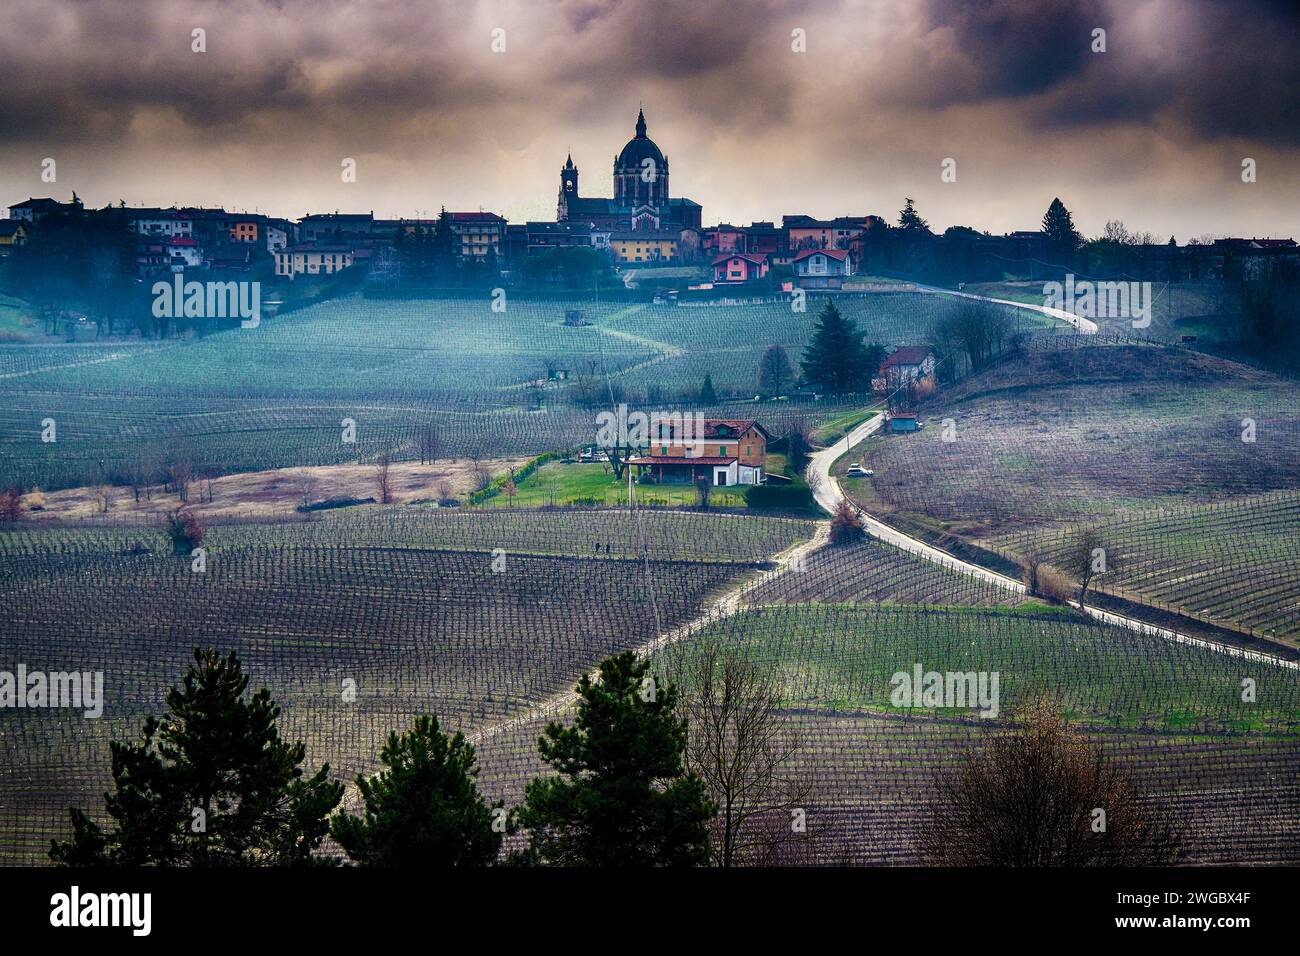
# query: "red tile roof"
[[738, 426], [682, 460], [833, 253], [756, 258], [907, 355]]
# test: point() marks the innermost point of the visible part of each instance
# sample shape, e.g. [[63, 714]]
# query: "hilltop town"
[[652, 240]]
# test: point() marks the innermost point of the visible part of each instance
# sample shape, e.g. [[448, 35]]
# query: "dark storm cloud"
[[1199, 69], [886, 89], [1014, 48]]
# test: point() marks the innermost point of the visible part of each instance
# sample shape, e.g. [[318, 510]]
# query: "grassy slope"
[[17, 324]]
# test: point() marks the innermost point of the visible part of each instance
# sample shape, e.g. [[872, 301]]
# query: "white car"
[[857, 471]]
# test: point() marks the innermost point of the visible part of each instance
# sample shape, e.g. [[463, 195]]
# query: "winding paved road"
[[1086, 326], [828, 493]]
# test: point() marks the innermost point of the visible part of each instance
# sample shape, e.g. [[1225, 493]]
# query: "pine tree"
[[910, 220], [835, 358], [1059, 226], [210, 784], [707, 394], [622, 797], [444, 249], [423, 808]]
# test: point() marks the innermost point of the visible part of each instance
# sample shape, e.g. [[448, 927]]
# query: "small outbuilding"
[[902, 422]]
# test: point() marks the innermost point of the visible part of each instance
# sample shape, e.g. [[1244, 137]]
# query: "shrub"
[[1054, 584], [184, 530], [846, 526], [1031, 798], [11, 508]]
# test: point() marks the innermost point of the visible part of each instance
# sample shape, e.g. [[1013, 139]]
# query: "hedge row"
[[786, 497], [498, 486]]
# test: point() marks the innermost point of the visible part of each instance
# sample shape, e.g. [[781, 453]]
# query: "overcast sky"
[[1153, 131]]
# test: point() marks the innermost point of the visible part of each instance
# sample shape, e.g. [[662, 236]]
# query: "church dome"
[[640, 148]]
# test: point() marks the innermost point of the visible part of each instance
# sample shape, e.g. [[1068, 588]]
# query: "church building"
[[641, 200]]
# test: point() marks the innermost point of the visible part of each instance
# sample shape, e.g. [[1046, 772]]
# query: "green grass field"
[[557, 483], [842, 657]]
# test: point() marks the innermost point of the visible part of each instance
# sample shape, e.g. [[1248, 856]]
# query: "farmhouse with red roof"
[[908, 366], [729, 452]]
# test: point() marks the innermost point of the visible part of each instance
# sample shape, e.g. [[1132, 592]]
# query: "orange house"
[[729, 452]]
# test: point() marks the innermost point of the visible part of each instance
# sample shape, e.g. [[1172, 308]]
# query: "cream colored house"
[[312, 260]]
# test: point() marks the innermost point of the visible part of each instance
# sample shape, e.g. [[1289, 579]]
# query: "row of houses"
[[810, 268], [818, 253], [180, 238], [173, 239], [809, 253]]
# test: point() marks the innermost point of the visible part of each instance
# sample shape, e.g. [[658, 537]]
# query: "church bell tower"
[[568, 189]]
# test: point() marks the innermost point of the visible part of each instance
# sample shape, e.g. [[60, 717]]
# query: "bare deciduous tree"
[[384, 479], [11, 508], [1042, 795], [1086, 558], [742, 747], [181, 473], [428, 441], [1032, 561], [444, 491], [774, 371], [306, 486], [139, 477], [799, 442], [703, 492]]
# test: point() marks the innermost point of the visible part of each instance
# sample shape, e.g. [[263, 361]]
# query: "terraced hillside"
[[1235, 562], [415, 626], [872, 571], [1170, 714]]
